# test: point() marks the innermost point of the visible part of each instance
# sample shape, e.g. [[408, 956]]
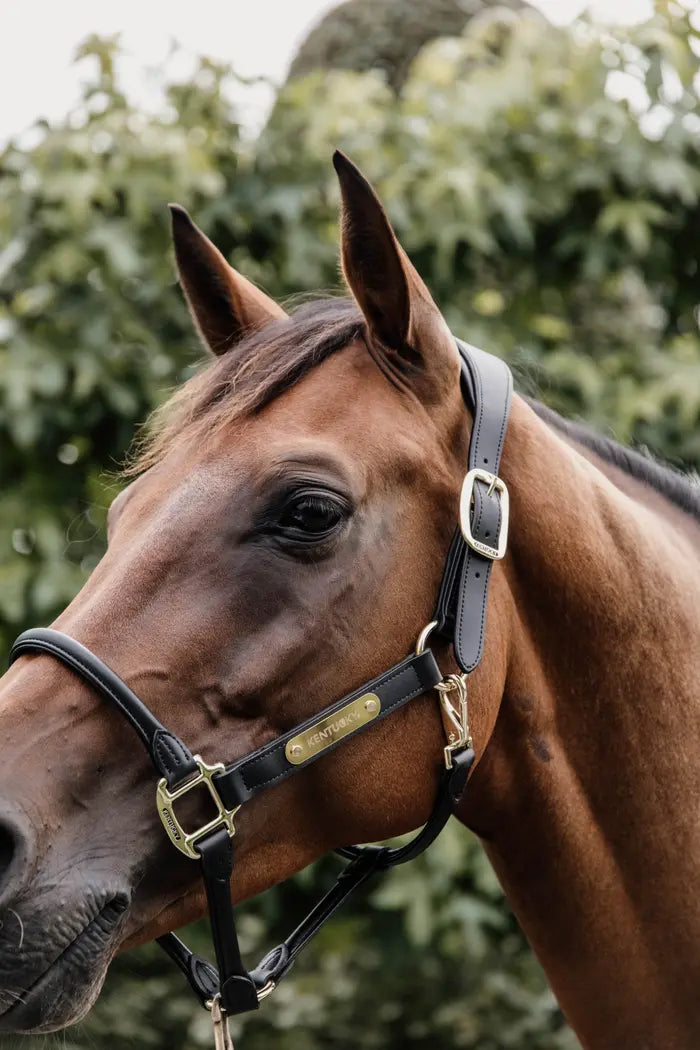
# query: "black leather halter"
[[460, 617]]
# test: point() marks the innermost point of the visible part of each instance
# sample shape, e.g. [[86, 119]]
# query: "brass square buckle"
[[165, 800], [493, 551]]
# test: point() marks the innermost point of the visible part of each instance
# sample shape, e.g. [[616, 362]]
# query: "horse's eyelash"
[[278, 503]]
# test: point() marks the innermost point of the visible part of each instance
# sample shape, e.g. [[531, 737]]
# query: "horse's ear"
[[222, 302], [407, 332]]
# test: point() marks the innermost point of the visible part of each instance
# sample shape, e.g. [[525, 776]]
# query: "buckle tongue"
[[495, 484], [166, 797]]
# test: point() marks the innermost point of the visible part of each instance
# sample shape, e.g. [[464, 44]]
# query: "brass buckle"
[[165, 799], [455, 716], [495, 553]]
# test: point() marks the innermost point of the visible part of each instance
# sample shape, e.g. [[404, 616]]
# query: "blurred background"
[[541, 166]]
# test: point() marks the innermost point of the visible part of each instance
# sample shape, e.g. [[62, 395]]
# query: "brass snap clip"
[[219, 1019], [455, 715]]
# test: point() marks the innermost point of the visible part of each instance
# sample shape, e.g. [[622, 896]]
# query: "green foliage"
[[91, 325], [548, 224], [555, 226]]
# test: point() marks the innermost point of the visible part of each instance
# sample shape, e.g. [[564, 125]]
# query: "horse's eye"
[[311, 516]]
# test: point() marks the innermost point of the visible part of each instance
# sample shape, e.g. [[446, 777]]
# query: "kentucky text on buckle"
[[166, 798], [466, 499]]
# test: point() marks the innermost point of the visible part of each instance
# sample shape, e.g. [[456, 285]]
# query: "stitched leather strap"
[[202, 977], [461, 610], [278, 962], [493, 386], [269, 764], [237, 988], [169, 755], [452, 785]]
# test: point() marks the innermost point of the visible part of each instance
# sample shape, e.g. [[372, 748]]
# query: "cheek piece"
[[460, 617]]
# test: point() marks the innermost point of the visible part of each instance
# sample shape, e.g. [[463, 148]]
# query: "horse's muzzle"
[[52, 966]]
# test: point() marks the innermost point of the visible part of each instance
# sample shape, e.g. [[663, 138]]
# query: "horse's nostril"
[[7, 848], [13, 855]]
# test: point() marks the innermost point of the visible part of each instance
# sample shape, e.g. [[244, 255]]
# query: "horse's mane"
[[679, 488], [267, 362]]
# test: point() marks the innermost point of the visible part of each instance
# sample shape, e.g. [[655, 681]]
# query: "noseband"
[[460, 617]]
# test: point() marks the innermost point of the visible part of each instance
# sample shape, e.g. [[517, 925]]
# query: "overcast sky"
[[257, 37]]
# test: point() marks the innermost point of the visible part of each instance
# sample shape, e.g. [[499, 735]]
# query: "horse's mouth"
[[64, 991]]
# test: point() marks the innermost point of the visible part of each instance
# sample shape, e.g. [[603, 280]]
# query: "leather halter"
[[460, 617]]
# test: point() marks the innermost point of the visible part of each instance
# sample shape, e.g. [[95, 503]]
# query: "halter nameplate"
[[332, 728]]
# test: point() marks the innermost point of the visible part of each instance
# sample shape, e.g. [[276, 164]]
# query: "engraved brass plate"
[[333, 727]]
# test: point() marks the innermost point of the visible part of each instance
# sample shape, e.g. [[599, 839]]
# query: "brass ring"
[[424, 635], [267, 989]]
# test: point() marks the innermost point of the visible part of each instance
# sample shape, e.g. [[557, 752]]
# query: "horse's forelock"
[[259, 368]]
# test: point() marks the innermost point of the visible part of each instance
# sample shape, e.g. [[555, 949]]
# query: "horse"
[[281, 541]]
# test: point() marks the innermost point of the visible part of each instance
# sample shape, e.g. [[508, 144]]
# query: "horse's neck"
[[587, 794]]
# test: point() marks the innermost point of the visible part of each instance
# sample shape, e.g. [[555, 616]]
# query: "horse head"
[[282, 541]]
